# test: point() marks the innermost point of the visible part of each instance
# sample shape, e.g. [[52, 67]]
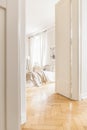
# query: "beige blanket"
[[36, 77]]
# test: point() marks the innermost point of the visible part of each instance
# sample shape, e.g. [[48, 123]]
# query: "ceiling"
[[39, 14]]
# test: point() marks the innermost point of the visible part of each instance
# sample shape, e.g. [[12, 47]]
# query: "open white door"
[[63, 48]]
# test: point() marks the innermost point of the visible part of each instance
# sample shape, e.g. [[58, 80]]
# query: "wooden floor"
[[49, 111]]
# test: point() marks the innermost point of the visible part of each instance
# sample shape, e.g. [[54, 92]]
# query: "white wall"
[[27, 47], [3, 3], [51, 36], [39, 14], [84, 49], [2, 68], [51, 44]]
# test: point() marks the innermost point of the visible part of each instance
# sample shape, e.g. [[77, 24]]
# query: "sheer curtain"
[[38, 49]]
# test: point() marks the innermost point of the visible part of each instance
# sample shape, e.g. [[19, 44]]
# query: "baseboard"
[[84, 95], [23, 118]]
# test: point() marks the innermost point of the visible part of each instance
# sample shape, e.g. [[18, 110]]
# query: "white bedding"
[[50, 76]]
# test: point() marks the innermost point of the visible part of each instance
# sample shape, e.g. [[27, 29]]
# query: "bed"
[[50, 76], [40, 75]]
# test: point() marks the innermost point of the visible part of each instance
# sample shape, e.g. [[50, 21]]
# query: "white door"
[[2, 69], [63, 47]]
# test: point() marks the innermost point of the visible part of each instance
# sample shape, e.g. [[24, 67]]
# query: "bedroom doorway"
[[40, 69], [40, 55], [40, 45], [40, 58], [13, 46]]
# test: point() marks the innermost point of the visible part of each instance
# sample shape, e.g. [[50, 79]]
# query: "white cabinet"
[[2, 69]]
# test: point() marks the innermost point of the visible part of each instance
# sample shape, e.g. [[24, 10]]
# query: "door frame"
[[13, 69], [15, 41], [76, 50], [3, 86]]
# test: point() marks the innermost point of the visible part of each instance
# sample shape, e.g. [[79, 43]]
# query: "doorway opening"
[[40, 45], [40, 52], [40, 59]]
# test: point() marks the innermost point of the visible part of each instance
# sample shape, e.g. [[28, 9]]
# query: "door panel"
[[63, 47], [2, 69]]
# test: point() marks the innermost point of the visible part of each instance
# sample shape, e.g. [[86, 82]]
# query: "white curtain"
[[38, 49]]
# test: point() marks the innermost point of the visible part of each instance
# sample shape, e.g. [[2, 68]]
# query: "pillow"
[[47, 67], [37, 68]]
